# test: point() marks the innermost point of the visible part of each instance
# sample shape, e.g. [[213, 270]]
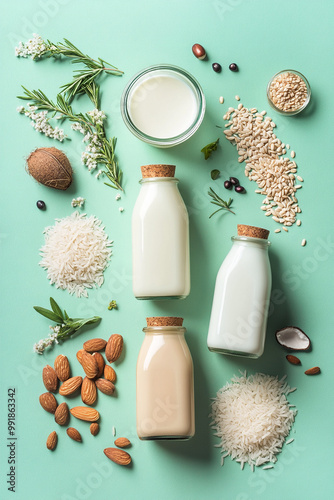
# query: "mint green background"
[[262, 37]]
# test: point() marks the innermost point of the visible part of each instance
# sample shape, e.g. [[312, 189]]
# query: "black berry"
[[41, 205], [239, 189], [228, 185], [233, 67], [216, 67], [234, 181]]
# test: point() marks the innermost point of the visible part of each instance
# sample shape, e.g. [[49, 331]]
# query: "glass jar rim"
[[158, 179], [164, 329], [250, 239], [170, 141]]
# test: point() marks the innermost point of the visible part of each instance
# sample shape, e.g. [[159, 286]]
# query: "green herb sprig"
[[65, 326], [217, 200], [209, 149]]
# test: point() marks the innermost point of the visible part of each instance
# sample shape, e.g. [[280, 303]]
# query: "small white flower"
[[117, 197], [78, 202], [121, 209]]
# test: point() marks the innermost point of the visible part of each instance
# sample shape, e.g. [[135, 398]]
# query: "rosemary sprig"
[[104, 147], [83, 78], [65, 326], [217, 200]]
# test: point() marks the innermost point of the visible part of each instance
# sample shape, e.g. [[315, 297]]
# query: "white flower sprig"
[[78, 202], [35, 47], [64, 328], [40, 122]]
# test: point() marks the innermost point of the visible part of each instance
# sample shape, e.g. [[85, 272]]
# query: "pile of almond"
[[99, 376]]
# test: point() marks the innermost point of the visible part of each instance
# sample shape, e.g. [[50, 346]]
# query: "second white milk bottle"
[[160, 237], [241, 298]]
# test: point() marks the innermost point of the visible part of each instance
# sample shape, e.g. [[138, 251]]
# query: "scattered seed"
[[300, 178], [233, 67], [303, 242], [240, 106], [113, 431], [41, 205], [287, 146], [290, 441], [298, 222], [216, 67], [221, 99], [237, 98], [277, 230], [268, 467], [285, 229], [292, 154]]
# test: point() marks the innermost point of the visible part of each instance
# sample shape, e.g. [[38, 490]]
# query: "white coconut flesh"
[[293, 338]]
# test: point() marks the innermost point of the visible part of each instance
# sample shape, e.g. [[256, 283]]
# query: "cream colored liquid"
[[160, 242], [241, 298], [162, 106], [165, 388]]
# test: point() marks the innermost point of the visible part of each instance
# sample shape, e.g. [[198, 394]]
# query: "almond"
[[94, 345], [85, 413], [79, 355], [50, 379], [62, 367], [48, 402], [70, 386], [114, 347], [100, 363], [105, 386], [313, 371], [120, 457], [88, 391], [89, 364], [122, 442], [62, 414], [94, 428], [293, 359], [109, 373], [74, 434], [51, 441]]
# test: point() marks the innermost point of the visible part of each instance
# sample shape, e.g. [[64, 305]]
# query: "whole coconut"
[[50, 167]]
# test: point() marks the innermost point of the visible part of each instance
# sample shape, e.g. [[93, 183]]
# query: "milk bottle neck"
[[248, 241]]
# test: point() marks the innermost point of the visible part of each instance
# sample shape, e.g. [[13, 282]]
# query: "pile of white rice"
[[252, 417], [75, 254]]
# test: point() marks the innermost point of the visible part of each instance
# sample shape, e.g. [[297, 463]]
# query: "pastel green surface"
[[262, 38]]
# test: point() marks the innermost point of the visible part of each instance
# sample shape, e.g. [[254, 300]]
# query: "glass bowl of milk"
[[163, 105]]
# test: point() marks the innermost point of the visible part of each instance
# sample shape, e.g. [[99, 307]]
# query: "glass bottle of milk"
[[165, 382], [241, 298], [160, 237]]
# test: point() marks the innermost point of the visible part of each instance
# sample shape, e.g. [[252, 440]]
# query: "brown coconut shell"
[[50, 167]]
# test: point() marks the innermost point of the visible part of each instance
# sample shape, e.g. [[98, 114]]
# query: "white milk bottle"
[[165, 382], [241, 298], [160, 237]]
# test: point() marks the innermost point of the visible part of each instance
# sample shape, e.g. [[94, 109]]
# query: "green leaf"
[[215, 174], [48, 314], [56, 309], [209, 148]]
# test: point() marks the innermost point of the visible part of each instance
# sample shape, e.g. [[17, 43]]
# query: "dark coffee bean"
[[41, 205], [233, 67], [234, 181]]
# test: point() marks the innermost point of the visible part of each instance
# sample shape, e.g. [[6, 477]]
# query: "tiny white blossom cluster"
[[97, 116], [91, 154], [40, 122], [34, 47], [44, 343], [78, 202]]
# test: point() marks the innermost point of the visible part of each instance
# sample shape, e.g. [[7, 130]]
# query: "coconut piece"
[[293, 338], [50, 167]]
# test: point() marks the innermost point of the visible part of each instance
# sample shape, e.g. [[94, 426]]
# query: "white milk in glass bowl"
[[163, 105]]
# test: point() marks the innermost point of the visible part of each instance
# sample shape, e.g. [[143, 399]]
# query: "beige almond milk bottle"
[[165, 382], [160, 237]]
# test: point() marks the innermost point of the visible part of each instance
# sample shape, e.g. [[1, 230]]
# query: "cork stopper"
[[164, 321], [157, 171], [253, 231]]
